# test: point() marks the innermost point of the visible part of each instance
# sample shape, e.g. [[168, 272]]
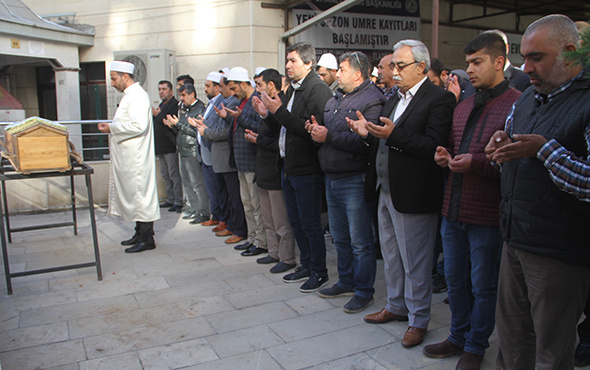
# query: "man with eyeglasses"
[[409, 185]]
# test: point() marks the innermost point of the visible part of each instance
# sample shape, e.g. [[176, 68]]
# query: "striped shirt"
[[569, 172]]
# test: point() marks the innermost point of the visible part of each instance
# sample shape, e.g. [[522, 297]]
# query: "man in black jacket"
[[409, 185], [302, 182], [545, 206], [165, 144]]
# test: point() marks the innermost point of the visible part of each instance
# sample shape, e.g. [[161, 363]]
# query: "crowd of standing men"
[[502, 176]]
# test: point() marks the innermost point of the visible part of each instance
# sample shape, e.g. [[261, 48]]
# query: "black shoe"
[[253, 251], [198, 220], [446, 301], [266, 260], [243, 247], [166, 205], [335, 291], [175, 208], [141, 246], [134, 240], [439, 284], [190, 216], [357, 304], [300, 274], [582, 356], [282, 267], [314, 283]]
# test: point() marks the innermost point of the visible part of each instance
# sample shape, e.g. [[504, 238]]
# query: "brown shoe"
[[210, 222], [384, 316], [222, 226], [441, 350], [413, 337], [224, 232], [469, 361], [234, 239]]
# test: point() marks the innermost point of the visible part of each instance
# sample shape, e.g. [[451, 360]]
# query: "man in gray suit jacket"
[[215, 130], [213, 181]]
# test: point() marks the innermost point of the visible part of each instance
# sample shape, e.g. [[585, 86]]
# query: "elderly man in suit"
[[215, 187], [409, 184]]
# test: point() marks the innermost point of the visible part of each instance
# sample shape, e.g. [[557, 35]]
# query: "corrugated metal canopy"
[[577, 10]]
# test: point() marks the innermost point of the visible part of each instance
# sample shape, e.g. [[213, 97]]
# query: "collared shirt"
[[569, 173], [405, 99], [211, 104], [283, 133]]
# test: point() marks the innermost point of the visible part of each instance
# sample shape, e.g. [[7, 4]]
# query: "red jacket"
[[480, 196]]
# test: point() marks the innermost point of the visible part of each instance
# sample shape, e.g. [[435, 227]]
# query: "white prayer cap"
[[120, 66], [214, 76], [375, 72], [329, 61], [258, 71], [225, 71], [238, 74]]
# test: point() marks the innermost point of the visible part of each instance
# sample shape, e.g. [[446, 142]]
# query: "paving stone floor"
[[193, 303]]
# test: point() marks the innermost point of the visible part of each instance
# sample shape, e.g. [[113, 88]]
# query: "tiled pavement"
[[193, 303]]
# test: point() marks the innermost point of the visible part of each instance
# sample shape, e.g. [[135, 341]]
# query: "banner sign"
[[372, 27]]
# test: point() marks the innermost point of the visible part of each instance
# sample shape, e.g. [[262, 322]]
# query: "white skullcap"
[[329, 61], [238, 74], [214, 76], [120, 66], [258, 71], [225, 71]]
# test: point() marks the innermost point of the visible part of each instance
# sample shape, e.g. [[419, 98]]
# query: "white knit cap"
[[329, 61], [238, 74], [258, 71], [120, 66], [214, 76]]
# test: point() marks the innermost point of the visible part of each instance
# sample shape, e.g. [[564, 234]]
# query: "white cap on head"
[[238, 74], [225, 71], [214, 76], [258, 71], [328, 60], [120, 66]]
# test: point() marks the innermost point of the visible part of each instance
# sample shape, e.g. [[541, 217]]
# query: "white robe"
[[133, 193]]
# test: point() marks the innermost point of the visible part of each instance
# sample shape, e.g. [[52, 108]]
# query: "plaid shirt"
[[569, 173]]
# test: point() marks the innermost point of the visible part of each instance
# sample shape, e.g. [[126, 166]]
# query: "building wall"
[[208, 35]]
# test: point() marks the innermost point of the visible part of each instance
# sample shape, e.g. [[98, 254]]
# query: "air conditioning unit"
[[151, 66]]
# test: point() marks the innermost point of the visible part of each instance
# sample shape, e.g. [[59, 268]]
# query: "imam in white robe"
[[133, 194]]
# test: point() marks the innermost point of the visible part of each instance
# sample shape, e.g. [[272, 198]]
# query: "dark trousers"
[[237, 220], [217, 194], [584, 327], [540, 300], [303, 197], [145, 230]]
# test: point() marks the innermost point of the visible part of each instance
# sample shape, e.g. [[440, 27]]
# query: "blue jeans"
[[472, 260], [303, 197], [350, 215]]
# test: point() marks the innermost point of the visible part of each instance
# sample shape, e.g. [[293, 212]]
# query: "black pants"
[[145, 230]]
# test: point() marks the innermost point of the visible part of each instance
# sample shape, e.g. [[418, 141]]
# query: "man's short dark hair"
[[224, 80], [489, 43], [437, 66], [189, 88], [167, 83], [187, 79], [306, 52], [358, 61], [272, 75]]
